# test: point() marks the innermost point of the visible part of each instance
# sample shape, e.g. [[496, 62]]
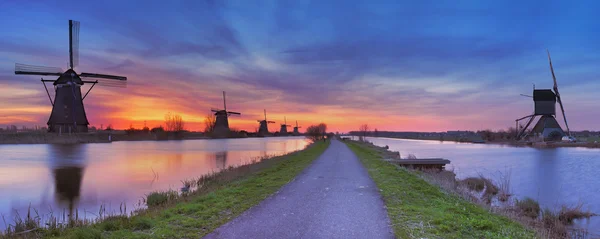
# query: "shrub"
[[529, 207]]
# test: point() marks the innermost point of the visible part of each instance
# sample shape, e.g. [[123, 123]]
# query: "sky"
[[394, 65]]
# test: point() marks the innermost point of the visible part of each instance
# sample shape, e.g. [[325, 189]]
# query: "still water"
[[54, 178], [554, 177]]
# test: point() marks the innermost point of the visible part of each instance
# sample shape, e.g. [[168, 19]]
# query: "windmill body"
[[283, 129], [296, 132], [222, 120], [68, 112], [545, 106], [263, 125], [547, 126]]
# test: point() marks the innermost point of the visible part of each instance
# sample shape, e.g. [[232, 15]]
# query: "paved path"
[[333, 198]]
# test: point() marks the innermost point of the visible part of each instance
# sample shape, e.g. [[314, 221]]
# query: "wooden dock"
[[424, 163]]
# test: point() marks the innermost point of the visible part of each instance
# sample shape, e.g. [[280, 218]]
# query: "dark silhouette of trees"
[[174, 122], [209, 123], [364, 130], [316, 132]]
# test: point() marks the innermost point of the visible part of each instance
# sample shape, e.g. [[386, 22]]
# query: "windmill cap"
[[544, 95]]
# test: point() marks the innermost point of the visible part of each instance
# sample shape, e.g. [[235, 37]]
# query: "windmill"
[[296, 129], [68, 113], [222, 122], [545, 106], [283, 129], [263, 129]]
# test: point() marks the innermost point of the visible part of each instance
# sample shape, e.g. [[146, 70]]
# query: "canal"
[[51, 178]]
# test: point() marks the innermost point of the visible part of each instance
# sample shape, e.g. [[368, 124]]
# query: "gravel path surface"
[[334, 197]]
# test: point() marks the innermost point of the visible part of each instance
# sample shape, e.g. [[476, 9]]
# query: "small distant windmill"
[[222, 121], [296, 132], [68, 113], [263, 129], [545, 106], [283, 129]]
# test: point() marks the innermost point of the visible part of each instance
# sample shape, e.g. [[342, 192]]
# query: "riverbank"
[[513, 143], [106, 137], [211, 201], [419, 209]]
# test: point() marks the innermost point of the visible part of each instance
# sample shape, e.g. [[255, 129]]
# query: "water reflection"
[[67, 165], [221, 159], [545, 171]]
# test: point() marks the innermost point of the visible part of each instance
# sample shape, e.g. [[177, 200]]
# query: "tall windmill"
[[263, 128], [283, 129], [296, 132], [68, 113], [545, 106], [222, 121]]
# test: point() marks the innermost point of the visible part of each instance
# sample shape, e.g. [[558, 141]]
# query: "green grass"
[[418, 209], [197, 215]]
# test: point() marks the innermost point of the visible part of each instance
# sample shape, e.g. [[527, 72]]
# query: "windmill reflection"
[[67, 166], [221, 159]]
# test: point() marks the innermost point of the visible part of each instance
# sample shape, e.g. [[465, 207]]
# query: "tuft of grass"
[[418, 209], [160, 198], [113, 223], [142, 223], [481, 183], [528, 207], [553, 225], [568, 214], [85, 233]]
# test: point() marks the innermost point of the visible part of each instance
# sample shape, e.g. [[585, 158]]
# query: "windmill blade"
[[552, 70], [562, 109], [74, 43], [105, 82], [102, 76], [233, 113], [215, 110], [23, 69], [271, 122]]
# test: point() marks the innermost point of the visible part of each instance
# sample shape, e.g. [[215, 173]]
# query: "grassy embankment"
[[218, 199], [419, 209]]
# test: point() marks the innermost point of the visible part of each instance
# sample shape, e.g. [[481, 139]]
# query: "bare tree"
[[316, 132], [174, 122], [210, 121], [363, 129]]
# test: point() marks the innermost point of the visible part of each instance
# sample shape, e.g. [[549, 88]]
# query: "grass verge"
[[418, 209], [218, 199]]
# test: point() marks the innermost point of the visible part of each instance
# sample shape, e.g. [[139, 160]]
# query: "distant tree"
[[109, 127], [376, 133], [157, 129], [174, 122], [146, 129], [210, 120], [316, 132], [364, 130]]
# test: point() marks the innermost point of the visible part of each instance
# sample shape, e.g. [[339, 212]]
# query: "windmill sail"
[[23, 69], [562, 109], [73, 43]]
